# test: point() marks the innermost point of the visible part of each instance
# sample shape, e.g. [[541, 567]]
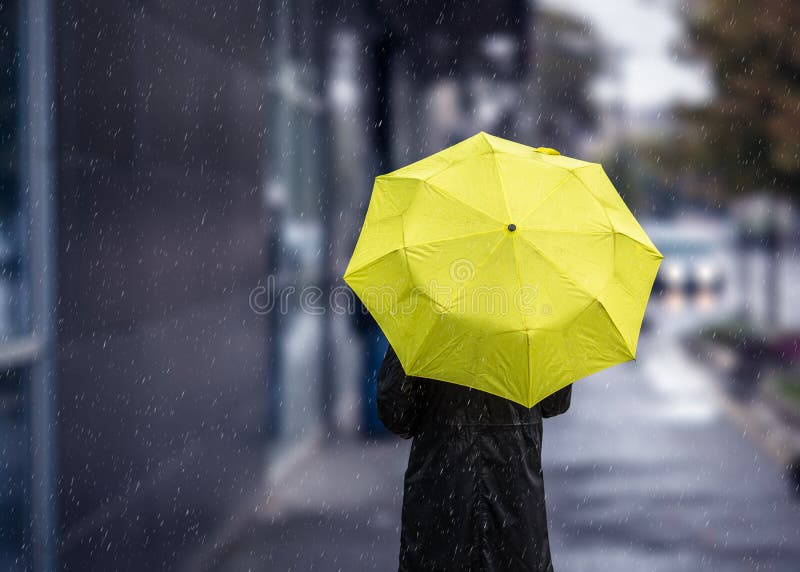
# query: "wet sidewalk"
[[338, 511], [646, 472]]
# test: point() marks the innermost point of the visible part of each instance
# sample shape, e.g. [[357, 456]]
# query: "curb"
[[279, 465], [760, 422]]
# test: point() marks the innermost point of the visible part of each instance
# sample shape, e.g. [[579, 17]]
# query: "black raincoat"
[[473, 496]]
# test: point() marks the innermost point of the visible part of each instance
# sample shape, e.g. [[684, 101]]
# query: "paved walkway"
[[645, 473], [340, 511]]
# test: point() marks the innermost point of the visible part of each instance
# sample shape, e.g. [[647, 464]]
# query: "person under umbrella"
[[473, 496], [500, 274]]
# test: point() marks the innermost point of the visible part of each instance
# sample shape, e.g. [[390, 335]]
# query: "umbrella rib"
[[442, 192], [464, 288], [524, 324], [400, 173], [558, 269], [566, 276], [479, 266], [575, 319], [540, 203], [604, 207], [451, 238], [418, 353], [450, 162], [610, 319], [405, 247], [436, 188], [442, 350], [503, 190], [567, 230]]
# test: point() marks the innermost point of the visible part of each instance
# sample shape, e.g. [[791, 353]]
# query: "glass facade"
[[14, 468], [14, 429], [293, 194], [11, 218], [26, 456]]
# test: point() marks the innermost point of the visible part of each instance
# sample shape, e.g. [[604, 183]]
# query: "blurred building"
[[161, 161], [134, 367], [372, 88]]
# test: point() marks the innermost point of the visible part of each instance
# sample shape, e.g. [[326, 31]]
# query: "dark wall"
[[441, 39], [161, 363]]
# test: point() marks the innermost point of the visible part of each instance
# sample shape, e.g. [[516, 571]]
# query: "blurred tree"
[[749, 132], [567, 61], [630, 167]]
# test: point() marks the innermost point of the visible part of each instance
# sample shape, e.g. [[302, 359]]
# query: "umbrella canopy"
[[505, 268]]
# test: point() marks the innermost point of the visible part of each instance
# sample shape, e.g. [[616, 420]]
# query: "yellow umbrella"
[[505, 268]]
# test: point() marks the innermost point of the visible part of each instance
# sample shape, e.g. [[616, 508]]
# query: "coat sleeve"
[[557, 403], [400, 398]]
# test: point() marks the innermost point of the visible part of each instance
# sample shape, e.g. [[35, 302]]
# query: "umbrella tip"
[[512, 227]]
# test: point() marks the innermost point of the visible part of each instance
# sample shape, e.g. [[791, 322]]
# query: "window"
[[12, 311], [26, 396]]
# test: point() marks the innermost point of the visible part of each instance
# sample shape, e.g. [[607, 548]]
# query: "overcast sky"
[[641, 33]]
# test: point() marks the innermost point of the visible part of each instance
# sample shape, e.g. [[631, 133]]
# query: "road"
[[644, 473]]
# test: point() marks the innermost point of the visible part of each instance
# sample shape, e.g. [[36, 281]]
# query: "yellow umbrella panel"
[[505, 268]]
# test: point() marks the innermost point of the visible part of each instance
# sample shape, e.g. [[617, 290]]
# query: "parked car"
[[697, 255]]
